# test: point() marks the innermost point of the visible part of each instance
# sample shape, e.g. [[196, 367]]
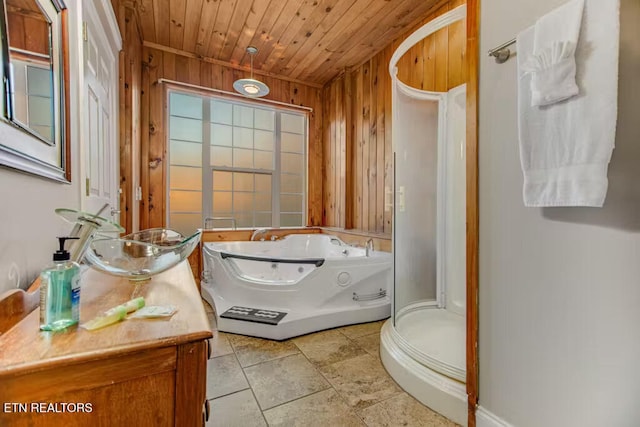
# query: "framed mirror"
[[35, 95]]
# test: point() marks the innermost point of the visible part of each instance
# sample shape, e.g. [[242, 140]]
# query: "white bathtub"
[[317, 280]]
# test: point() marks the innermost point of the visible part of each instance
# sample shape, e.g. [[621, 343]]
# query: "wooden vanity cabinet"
[[136, 372]]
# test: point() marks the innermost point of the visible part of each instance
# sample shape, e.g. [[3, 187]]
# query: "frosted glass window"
[[263, 159], [243, 181], [290, 220], [291, 202], [187, 224], [39, 82], [235, 159], [221, 135], [185, 178], [242, 202], [244, 219], [40, 111], [263, 183], [242, 137], [185, 153], [263, 201], [294, 123], [183, 105], [292, 142], [221, 112], [221, 156], [263, 140], [263, 219], [185, 201], [292, 163], [222, 181], [185, 129], [243, 116], [291, 183], [222, 201], [264, 119], [242, 158]]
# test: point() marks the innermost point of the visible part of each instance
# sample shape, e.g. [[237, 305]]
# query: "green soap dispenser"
[[60, 291]]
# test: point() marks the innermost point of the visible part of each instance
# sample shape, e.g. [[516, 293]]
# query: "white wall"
[[28, 224], [559, 287]]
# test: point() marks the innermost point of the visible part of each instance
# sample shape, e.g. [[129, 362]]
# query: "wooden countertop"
[[24, 348]]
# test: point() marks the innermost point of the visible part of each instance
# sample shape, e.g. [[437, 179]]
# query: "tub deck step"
[[257, 315]]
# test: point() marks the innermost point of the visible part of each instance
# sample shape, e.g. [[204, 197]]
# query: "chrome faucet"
[[257, 232], [368, 247]]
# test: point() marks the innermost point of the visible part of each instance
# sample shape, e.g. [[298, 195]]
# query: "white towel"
[[565, 148], [553, 63]]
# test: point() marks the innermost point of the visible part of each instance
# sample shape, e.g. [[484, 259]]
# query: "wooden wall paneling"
[[419, 76], [457, 40], [381, 83], [155, 160], [316, 184], [206, 77], [326, 147], [182, 69], [429, 66], [388, 149], [331, 173], [145, 133], [348, 144], [341, 146], [471, 64], [357, 147], [195, 74], [135, 92], [125, 161], [366, 135], [373, 143], [441, 60], [129, 88]]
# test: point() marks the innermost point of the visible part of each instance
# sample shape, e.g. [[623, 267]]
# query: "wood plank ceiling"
[[305, 40]]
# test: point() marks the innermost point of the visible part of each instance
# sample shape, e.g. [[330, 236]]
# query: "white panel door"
[[100, 144]]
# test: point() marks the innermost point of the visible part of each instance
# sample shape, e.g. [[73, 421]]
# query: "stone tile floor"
[[331, 378]]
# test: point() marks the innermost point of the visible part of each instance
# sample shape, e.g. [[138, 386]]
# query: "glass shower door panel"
[[415, 208]]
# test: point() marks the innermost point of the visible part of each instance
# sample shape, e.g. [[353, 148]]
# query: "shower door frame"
[[441, 188]]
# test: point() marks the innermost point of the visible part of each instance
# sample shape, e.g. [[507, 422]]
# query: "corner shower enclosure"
[[423, 344]]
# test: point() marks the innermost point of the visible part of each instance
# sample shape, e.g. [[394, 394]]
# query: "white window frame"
[[208, 169]]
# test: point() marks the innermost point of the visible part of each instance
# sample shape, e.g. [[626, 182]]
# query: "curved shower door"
[[416, 238]]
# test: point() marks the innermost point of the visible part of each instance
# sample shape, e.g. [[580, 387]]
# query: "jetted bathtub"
[[312, 281]]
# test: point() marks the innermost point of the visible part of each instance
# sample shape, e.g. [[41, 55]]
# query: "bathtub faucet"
[[257, 232], [368, 247]]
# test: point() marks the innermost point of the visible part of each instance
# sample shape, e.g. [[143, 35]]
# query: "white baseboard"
[[485, 418]]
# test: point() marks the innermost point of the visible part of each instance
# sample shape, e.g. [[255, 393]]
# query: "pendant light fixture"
[[251, 87]]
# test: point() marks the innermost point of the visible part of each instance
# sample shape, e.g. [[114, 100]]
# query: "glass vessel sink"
[[138, 256]]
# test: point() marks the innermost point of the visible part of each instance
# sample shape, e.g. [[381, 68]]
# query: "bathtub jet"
[[300, 284]]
